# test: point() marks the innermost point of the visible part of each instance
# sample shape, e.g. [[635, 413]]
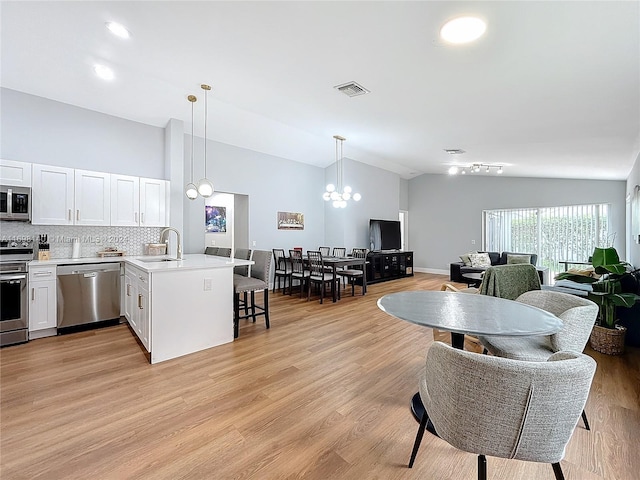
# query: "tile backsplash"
[[92, 239]]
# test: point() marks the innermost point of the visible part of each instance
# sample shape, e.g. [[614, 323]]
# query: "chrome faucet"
[[165, 232]]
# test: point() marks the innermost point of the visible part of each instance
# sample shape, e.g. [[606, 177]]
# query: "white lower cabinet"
[[42, 298], [137, 305]]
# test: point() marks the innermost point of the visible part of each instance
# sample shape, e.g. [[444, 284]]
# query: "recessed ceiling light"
[[118, 29], [463, 30], [103, 72]]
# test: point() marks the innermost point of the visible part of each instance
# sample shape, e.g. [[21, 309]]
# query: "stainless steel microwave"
[[15, 203]]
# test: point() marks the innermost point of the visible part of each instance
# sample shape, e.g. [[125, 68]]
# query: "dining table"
[[466, 314]]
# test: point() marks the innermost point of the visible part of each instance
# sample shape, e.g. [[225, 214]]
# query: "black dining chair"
[[319, 275], [298, 271], [324, 251], [355, 272], [282, 270]]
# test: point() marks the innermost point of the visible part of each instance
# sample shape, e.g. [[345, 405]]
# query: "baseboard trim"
[[435, 271]]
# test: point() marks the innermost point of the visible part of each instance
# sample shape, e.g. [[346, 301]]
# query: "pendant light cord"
[[192, 139]]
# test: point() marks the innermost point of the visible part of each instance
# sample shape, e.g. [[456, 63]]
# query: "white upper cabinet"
[[15, 174], [93, 198], [125, 200], [64, 196], [153, 202], [52, 195]]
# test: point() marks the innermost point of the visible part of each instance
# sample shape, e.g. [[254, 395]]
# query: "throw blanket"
[[510, 281]]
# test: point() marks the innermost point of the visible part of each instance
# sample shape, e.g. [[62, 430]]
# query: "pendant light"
[[205, 187], [338, 194], [190, 190]]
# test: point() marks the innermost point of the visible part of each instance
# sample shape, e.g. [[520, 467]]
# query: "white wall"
[[39, 130], [271, 183], [446, 211]]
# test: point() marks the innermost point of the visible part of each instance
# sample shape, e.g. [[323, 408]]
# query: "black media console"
[[386, 265]]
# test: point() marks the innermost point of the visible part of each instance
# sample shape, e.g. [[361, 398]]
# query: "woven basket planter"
[[608, 340]]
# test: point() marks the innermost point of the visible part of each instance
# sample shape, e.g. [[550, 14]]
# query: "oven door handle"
[[12, 277]]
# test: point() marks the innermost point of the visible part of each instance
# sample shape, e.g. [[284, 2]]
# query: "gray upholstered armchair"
[[504, 408], [578, 316]]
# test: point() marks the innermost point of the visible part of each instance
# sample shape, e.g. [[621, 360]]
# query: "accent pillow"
[[514, 259], [480, 260], [465, 259]]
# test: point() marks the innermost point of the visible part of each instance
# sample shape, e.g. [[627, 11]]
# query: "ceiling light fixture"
[[474, 168], [333, 191], [463, 30], [104, 72], [118, 29], [191, 191], [205, 187]]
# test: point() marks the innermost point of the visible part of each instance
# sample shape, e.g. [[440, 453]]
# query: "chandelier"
[[337, 193]]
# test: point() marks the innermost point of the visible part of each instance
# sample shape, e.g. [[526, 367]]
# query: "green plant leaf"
[[575, 277], [607, 260]]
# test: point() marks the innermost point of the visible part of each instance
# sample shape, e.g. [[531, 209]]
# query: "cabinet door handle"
[[33, 294], [141, 217], [128, 289], [140, 301], [42, 274], [69, 214], [77, 215], [136, 217]]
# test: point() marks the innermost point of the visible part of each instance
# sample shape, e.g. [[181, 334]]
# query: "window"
[[555, 234]]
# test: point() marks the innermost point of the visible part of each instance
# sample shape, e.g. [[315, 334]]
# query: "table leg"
[[417, 408], [333, 283]]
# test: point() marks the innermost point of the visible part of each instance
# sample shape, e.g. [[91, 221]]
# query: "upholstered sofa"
[[457, 269]]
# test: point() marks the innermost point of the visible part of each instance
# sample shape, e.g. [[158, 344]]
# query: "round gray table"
[[467, 313]]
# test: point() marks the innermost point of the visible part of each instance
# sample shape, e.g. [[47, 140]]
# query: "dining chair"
[[578, 316], [499, 407], [282, 269], [211, 250], [339, 252], [258, 281], [354, 273], [510, 281], [324, 251], [298, 271], [224, 252], [319, 275]]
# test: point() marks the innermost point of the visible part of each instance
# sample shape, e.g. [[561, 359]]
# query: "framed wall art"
[[290, 221], [215, 219]]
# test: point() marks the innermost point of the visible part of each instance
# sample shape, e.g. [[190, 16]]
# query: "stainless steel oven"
[[15, 203], [14, 323]]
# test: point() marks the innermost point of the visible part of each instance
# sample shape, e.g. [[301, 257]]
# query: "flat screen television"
[[385, 234]]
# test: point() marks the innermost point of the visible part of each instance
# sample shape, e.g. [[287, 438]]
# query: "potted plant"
[[609, 293]]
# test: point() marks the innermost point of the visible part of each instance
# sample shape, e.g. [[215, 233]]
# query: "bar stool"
[[258, 280]]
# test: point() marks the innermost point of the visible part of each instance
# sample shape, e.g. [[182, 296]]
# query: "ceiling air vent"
[[352, 89], [454, 151]]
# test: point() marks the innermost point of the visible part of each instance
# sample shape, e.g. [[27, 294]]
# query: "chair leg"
[[482, 467], [246, 305], [416, 444], [266, 306], [584, 419], [558, 471], [253, 306], [236, 313]]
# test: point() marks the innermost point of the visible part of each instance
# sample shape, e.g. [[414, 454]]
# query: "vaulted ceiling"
[[551, 90]]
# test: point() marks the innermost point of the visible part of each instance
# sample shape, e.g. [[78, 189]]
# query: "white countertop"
[[188, 262]]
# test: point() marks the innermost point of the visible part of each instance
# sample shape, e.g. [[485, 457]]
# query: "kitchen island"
[[175, 307]]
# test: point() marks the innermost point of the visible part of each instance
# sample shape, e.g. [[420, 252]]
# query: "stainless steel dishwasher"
[[88, 293]]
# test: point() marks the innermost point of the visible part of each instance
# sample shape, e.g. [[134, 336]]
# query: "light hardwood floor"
[[324, 394]]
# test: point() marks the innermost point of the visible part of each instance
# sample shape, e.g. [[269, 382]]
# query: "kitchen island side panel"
[[187, 316]]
